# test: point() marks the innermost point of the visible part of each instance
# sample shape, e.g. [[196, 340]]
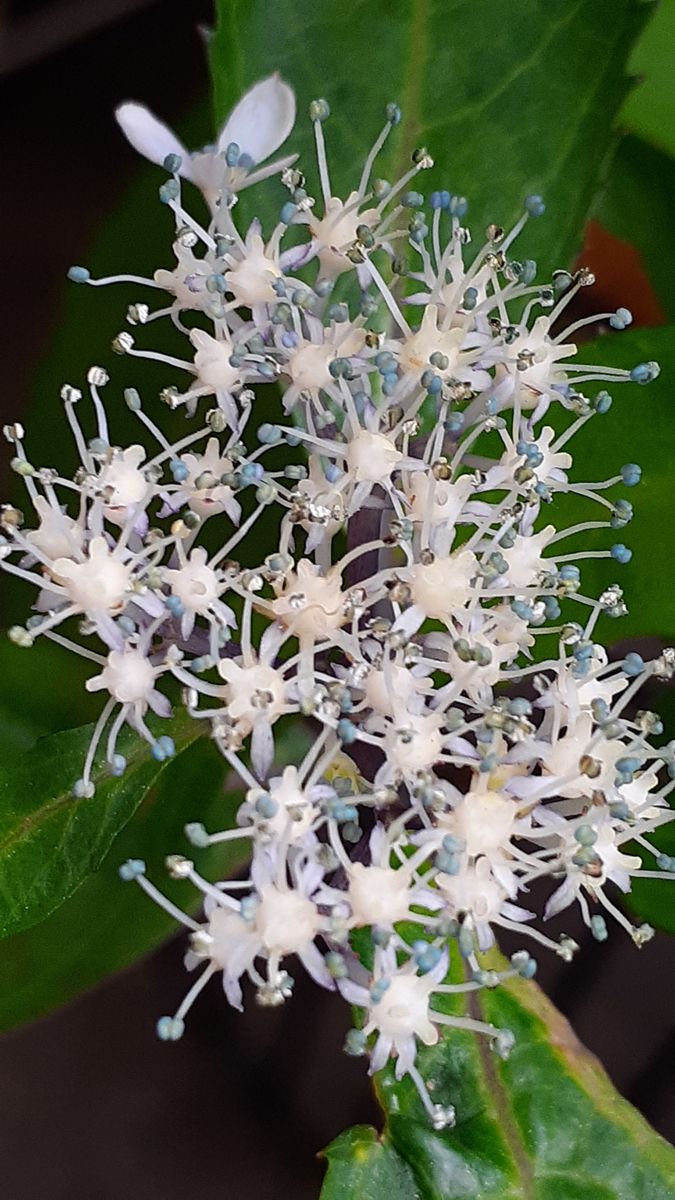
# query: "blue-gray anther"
[[132, 869], [169, 191], [535, 206], [631, 474], [172, 163], [197, 835], [599, 928], [633, 664], [170, 1029], [645, 372], [355, 1043]]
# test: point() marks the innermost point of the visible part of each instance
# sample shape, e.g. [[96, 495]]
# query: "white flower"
[[212, 362], [391, 571], [438, 501], [441, 587], [535, 358], [128, 676], [399, 1013], [431, 338], [475, 891], [99, 583], [202, 489], [335, 232], [251, 276], [296, 808], [234, 946], [413, 743], [58, 535], [308, 359], [250, 687], [124, 484], [310, 603], [378, 893], [525, 559], [393, 685], [198, 587], [257, 125]]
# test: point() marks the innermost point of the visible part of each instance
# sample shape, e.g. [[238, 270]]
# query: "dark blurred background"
[[92, 1107]]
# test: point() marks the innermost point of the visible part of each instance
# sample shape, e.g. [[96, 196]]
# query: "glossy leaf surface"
[[544, 1125], [508, 103], [51, 839], [107, 924]]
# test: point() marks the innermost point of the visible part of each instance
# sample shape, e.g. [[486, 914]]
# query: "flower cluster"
[[414, 634]]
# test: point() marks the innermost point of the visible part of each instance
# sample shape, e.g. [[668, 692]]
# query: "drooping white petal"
[[262, 119], [150, 136]]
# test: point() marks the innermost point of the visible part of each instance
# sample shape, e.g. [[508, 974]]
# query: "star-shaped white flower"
[[257, 125]]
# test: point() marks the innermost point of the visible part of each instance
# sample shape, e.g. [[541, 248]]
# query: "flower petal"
[[262, 119], [150, 136]]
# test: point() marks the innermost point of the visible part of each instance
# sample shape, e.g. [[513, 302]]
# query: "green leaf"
[[362, 1166], [544, 1125], [639, 428], [50, 839], [650, 109], [107, 924], [508, 102], [637, 205], [30, 705]]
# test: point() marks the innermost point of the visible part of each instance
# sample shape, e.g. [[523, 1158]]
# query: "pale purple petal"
[[407, 1050], [159, 704], [297, 256], [354, 993], [233, 993], [312, 960], [561, 897], [150, 136]]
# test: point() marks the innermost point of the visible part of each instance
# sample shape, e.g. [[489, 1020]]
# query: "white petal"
[[380, 1053], [560, 898], [262, 119], [298, 256], [233, 992], [262, 747], [150, 136], [270, 642], [354, 993], [407, 1051], [438, 973], [312, 960], [159, 703]]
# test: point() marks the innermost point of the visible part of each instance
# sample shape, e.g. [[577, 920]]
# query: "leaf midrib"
[[508, 1124]]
